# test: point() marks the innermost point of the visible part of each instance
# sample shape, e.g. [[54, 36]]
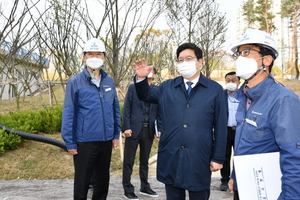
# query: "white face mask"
[[187, 69], [245, 67], [94, 63], [231, 86], [150, 75]]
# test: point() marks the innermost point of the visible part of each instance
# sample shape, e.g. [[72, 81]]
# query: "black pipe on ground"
[[35, 137]]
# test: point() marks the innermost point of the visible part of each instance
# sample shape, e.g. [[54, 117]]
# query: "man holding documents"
[[139, 117], [268, 114]]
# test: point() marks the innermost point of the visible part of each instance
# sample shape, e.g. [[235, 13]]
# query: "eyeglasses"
[[244, 53], [187, 59]]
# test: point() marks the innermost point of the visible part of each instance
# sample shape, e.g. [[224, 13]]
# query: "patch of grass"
[[36, 160], [27, 164]]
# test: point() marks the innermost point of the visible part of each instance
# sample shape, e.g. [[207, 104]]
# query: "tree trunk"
[[295, 45]]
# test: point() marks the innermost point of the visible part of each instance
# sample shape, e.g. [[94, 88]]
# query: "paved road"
[[61, 189]]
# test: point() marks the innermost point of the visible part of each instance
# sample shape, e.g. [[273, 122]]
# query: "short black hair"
[[265, 50], [232, 73], [192, 46], [154, 69], [104, 53]]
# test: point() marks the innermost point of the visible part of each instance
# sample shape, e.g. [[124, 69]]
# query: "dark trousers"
[[174, 193], [236, 196], [131, 144], [225, 171], [93, 158]]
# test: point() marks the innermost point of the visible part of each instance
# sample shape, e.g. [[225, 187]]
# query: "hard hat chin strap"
[[263, 67]]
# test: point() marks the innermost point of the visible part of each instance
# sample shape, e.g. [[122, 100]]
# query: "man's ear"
[[268, 59], [201, 61]]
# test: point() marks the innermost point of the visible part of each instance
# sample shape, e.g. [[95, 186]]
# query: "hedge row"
[[47, 120]]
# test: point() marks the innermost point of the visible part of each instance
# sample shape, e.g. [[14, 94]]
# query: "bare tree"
[[200, 22], [182, 17], [59, 32], [211, 27], [20, 63], [156, 46], [118, 22]]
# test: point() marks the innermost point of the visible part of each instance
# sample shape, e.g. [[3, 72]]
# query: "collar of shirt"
[[194, 81], [96, 81], [232, 108], [232, 99]]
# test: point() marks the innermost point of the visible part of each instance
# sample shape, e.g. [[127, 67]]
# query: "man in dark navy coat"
[[194, 125], [139, 130]]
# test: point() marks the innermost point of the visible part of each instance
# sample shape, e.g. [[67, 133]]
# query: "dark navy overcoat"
[[194, 130]]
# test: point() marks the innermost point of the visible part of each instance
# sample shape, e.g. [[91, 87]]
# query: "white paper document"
[[258, 176]]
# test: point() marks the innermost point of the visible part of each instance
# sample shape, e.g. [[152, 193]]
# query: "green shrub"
[[9, 141], [47, 120], [51, 119]]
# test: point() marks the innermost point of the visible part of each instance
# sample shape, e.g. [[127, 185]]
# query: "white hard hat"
[[258, 37], [94, 45]]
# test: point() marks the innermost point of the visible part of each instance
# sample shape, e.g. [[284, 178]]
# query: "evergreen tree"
[[290, 9], [258, 14]]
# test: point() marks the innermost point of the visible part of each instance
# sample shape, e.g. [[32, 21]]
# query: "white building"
[[22, 72]]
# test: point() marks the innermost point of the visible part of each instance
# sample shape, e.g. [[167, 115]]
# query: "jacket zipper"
[[101, 102], [243, 123]]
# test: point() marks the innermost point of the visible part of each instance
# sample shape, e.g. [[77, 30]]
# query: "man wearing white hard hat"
[[91, 122], [268, 114]]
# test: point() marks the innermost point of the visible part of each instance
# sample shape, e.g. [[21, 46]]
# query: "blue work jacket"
[[271, 124], [193, 132], [90, 113]]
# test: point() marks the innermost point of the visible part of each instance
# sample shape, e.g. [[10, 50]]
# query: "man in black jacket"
[[139, 118]]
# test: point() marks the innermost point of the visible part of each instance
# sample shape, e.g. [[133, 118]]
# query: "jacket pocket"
[[254, 127], [108, 94]]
